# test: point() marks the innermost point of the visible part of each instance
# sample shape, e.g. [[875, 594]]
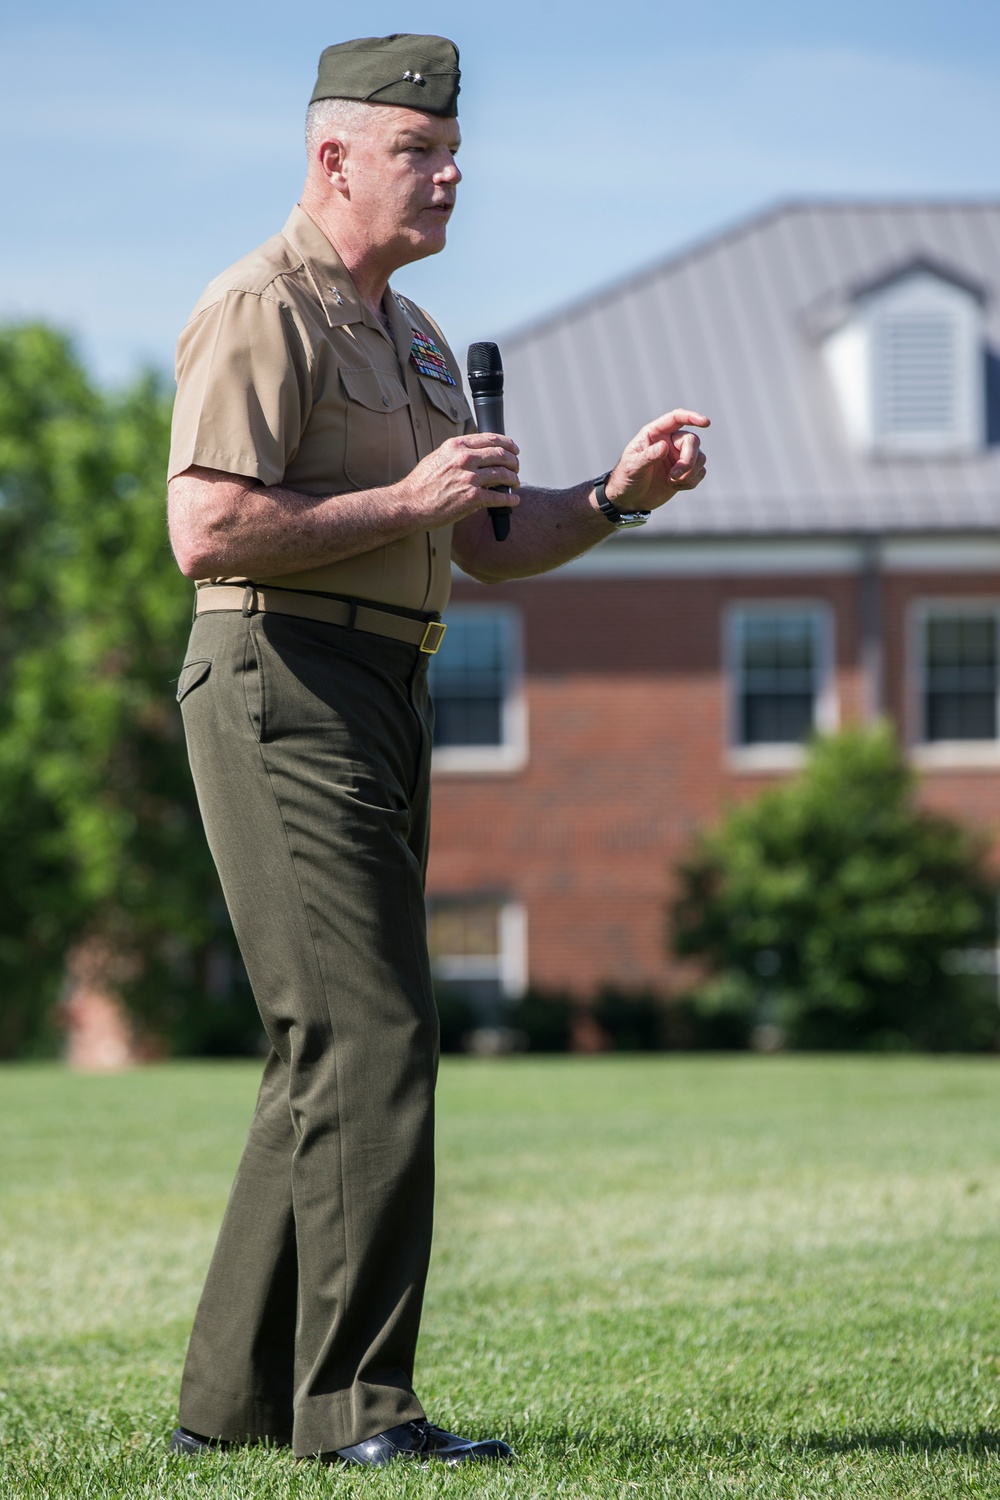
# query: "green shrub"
[[835, 912], [544, 1019], [634, 1022], [456, 1017], [692, 1026]]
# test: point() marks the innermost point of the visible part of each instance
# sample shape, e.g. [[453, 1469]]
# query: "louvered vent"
[[908, 370], [916, 359]]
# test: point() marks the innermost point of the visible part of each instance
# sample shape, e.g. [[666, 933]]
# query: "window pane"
[[464, 929], [957, 642], [468, 680], [961, 716], [778, 641], [468, 721], [777, 678], [960, 686], [777, 720], [464, 938]]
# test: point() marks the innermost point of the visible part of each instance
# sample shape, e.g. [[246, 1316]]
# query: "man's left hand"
[[659, 461]]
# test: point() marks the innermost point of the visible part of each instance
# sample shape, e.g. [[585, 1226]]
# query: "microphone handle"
[[489, 418]]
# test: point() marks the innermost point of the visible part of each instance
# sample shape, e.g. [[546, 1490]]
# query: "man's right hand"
[[226, 525], [461, 477]]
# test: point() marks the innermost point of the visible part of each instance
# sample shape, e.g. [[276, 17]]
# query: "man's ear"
[[332, 158]]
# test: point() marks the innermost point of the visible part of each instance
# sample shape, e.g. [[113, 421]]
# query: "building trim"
[[763, 760], [930, 554], [777, 557]]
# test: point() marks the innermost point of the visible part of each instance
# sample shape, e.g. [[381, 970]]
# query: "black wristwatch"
[[618, 518]]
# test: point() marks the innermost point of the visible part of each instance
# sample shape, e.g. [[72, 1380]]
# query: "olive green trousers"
[[310, 748]]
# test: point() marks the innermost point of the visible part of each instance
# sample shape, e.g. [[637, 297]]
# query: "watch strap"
[[610, 510]]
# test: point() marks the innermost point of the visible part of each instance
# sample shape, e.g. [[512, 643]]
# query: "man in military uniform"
[[324, 471]]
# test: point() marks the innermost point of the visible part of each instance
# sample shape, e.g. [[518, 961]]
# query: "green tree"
[[99, 833], [837, 909]]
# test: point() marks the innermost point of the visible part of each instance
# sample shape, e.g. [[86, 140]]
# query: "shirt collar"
[[334, 287], [401, 324], [331, 282]]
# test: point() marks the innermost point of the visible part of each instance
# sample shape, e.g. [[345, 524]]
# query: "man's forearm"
[[222, 528], [548, 528]]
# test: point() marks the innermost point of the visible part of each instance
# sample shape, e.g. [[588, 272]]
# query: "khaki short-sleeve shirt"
[[285, 377]]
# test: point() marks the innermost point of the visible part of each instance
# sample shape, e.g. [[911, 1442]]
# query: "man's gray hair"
[[327, 117]]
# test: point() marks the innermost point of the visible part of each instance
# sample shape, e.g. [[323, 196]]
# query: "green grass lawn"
[[655, 1276]]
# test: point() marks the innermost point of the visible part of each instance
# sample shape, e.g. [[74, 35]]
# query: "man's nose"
[[450, 173]]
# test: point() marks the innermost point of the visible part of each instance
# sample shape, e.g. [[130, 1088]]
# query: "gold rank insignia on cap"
[[417, 72]]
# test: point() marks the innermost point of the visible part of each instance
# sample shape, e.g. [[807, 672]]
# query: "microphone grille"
[[484, 359]]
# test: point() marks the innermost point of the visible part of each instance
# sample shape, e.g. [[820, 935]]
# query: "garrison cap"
[[417, 72]]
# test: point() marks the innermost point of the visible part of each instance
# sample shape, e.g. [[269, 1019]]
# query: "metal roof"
[[731, 328]]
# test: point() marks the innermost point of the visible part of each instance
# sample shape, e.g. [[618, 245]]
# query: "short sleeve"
[[243, 389]]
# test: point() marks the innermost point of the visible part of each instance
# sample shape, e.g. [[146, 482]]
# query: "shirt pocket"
[[447, 409], [378, 446]]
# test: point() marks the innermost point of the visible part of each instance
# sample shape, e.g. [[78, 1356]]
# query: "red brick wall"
[[627, 712]]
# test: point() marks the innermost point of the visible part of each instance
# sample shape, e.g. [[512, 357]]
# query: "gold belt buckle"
[[431, 642]]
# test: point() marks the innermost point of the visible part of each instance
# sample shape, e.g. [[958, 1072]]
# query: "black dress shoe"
[[192, 1444], [422, 1441]]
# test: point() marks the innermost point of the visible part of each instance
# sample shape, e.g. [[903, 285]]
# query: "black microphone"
[[485, 369]]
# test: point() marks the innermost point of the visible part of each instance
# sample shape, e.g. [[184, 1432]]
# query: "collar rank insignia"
[[335, 293], [428, 358]]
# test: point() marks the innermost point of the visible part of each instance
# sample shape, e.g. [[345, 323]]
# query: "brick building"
[[840, 561]]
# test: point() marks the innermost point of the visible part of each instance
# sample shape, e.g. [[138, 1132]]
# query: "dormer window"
[[907, 365]]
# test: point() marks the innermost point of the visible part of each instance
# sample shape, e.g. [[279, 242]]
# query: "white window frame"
[[781, 755], [510, 967], [512, 752], [943, 754]]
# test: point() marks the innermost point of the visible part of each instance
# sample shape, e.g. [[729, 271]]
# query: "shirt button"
[[453, 410], [416, 422], [385, 400]]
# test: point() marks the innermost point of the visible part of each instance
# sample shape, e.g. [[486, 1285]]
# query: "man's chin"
[[423, 242]]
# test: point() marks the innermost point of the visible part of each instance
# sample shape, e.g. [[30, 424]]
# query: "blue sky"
[[144, 148]]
